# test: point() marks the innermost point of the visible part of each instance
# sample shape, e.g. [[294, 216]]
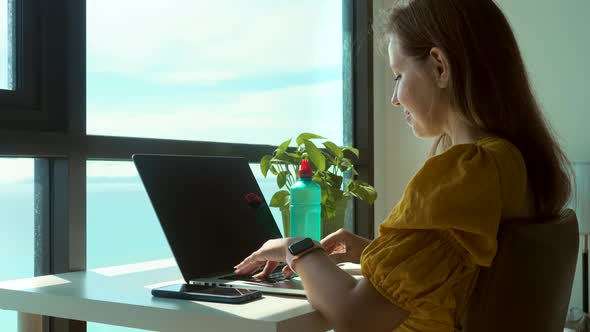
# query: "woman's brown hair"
[[489, 84]]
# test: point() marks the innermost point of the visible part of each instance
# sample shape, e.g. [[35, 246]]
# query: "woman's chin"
[[419, 133]]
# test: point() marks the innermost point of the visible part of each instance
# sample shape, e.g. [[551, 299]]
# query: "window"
[[17, 236], [103, 101], [119, 209], [95, 327], [239, 71], [6, 45]]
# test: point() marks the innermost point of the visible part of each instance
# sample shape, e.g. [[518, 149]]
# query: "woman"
[[459, 77]]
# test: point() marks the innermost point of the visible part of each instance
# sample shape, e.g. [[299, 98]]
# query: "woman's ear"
[[441, 67]]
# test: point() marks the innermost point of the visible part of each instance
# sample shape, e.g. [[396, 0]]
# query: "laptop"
[[213, 215]]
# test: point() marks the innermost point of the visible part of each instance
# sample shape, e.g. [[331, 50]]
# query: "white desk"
[[121, 296]]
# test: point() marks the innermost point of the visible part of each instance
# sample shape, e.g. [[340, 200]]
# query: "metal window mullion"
[[67, 226], [68, 220], [42, 239], [60, 227], [359, 47]]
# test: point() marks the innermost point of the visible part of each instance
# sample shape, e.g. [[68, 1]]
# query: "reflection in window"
[[17, 224], [153, 75]]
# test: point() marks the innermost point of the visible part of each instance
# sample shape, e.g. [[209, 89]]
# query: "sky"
[[252, 71], [247, 71]]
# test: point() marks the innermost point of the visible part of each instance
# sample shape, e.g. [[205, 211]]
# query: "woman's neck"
[[462, 133]]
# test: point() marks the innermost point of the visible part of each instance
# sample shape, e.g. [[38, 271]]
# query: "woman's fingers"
[[330, 240], [334, 239], [271, 251], [287, 272], [268, 268], [340, 257], [250, 264]]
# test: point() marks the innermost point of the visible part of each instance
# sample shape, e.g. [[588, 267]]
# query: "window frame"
[[20, 108], [54, 130]]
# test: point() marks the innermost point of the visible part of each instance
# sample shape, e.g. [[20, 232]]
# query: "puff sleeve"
[[445, 225]]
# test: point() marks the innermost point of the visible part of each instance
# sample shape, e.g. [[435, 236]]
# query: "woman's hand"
[[272, 253], [343, 246]]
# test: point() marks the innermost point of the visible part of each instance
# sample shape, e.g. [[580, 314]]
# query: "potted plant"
[[332, 170]]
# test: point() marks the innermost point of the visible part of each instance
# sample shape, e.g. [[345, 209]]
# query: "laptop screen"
[[211, 210]]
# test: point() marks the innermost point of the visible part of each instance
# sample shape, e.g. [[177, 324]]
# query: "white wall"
[[554, 37], [398, 153]]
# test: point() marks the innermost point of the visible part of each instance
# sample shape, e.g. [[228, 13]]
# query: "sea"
[[118, 210]]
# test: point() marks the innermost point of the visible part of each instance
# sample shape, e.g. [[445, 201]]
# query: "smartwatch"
[[302, 248]]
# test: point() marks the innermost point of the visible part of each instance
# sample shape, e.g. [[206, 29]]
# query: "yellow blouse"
[[429, 250]]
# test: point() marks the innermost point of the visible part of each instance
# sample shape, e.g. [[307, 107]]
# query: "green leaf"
[[306, 136], [345, 164], [334, 149], [330, 159], [335, 181], [273, 170], [265, 164], [351, 149], [338, 195], [281, 179], [284, 156], [284, 145], [319, 180], [295, 155], [315, 154], [280, 199], [363, 190]]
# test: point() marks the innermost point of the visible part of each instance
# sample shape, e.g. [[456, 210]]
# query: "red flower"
[[253, 199]]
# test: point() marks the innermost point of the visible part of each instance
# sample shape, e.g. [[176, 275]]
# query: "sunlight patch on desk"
[[163, 284], [36, 282], [270, 307], [136, 267]]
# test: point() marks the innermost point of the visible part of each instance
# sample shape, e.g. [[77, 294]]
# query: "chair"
[[528, 286]]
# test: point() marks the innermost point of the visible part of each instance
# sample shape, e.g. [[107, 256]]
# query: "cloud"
[[110, 169], [266, 117], [16, 170], [215, 39]]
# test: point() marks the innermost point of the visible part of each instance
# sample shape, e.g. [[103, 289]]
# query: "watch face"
[[301, 246]]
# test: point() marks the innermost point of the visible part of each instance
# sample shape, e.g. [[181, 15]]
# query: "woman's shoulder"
[[467, 190], [498, 147], [481, 155], [503, 149], [487, 174]]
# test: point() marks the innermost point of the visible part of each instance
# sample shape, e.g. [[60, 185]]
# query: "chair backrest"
[[528, 286]]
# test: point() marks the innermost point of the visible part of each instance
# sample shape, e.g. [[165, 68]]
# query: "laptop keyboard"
[[276, 276]]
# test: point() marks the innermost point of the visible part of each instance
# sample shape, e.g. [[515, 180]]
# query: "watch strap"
[[298, 256]]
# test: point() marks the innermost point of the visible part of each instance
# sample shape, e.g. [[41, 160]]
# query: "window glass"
[[247, 71], [6, 44], [121, 223], [95, 327], [17, 235], [122, 226]]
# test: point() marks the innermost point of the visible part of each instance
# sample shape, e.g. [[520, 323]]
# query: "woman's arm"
[[348, 304]]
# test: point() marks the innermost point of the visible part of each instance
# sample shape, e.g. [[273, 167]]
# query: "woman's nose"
[[394, 100]]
